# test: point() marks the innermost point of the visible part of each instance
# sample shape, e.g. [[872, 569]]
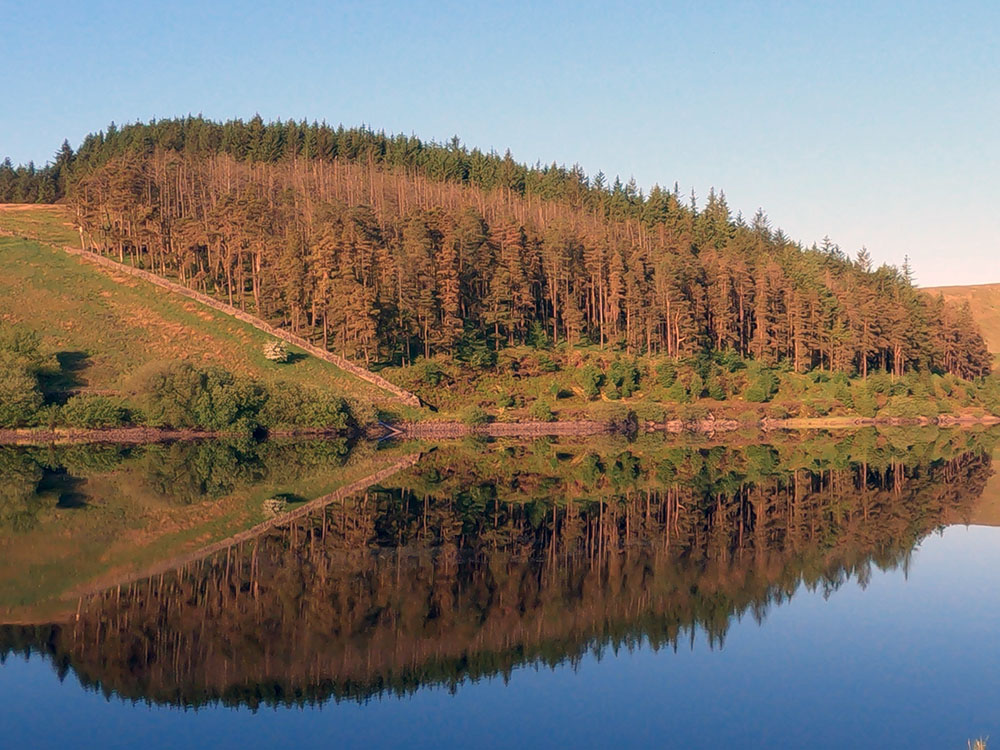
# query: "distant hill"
[[984, 300]]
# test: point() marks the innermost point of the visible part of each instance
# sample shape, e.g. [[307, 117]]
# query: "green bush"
[[666, 373], [879, 382], [907, 407], [677, 392], [505, 400], [541, 411], [94, 412], [473, 415], [558, 392], [291, 405], [762, 387], [624, 375], [20, 398], [431, 372], [590, 379], [715, 389], [864, 403]]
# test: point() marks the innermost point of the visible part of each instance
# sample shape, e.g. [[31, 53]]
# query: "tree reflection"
[[460, 569]]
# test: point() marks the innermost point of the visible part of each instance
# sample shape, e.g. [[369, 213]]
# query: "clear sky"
[[872, 122]]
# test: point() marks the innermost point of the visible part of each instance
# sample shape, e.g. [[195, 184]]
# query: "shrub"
[[538, 336], [179, 395], [293, 405], [715, 389], [666, 373], [864, 403], [276, 350], [473, 415], [762, 387], [624, 375], [906, 407], [94, 412], [541, 411], [20, 398], [590, 380], [559, 392], [431, 373], [505, 400], [677, 392], [879, 382]]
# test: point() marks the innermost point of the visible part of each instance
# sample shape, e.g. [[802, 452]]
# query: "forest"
[[387, 248]]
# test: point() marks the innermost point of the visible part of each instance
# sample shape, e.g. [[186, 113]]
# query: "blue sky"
[[873, 123]]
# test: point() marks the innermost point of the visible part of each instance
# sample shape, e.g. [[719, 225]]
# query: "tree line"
[[386, 248]]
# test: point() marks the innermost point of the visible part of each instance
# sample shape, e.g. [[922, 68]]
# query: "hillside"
[[388, 248], [102, 329], [984, 303]]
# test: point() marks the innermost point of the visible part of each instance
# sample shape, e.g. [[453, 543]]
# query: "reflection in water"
[[481, 559]]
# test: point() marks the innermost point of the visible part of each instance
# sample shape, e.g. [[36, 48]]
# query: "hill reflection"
[[481, 559]]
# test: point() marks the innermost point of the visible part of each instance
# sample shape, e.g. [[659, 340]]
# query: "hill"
[[984, 303]]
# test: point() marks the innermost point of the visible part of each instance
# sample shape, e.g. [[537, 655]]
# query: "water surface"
[[827, 591]]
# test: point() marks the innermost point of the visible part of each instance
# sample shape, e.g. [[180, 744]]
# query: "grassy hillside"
[[103, 329], [984, 300]]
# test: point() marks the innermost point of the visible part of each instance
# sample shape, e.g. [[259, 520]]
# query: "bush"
[[677, 392], [624, 375], [715, 389], [179, 395], [292, 405], [276, 350], [864, 403], [559, 392], [906, 407], [473, 415], [505, 400], [666, 373], [538, 336], [20, 398], [762, 387], [541, 411], [94, 412], [431, 373], [590, 380]]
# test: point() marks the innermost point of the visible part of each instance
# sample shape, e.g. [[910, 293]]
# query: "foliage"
[[590, 379], [542, 411], [182, 396], [294, 405], [474, 415], [623, 375], [95, 412], [762, 387], [276, 350]]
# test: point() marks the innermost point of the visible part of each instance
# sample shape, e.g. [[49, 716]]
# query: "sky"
[[873, 123]]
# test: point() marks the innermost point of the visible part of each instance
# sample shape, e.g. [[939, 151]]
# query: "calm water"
[[826, 592]]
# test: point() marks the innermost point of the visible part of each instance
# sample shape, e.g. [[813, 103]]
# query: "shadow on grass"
[[58, 384]]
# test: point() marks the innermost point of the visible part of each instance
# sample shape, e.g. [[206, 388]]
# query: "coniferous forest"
[[386, 248]]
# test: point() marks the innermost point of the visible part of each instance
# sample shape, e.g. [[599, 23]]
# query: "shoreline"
[[136, 435], [526, 428]]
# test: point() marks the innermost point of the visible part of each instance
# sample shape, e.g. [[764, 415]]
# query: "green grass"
[[109, 328], [51, 224]]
